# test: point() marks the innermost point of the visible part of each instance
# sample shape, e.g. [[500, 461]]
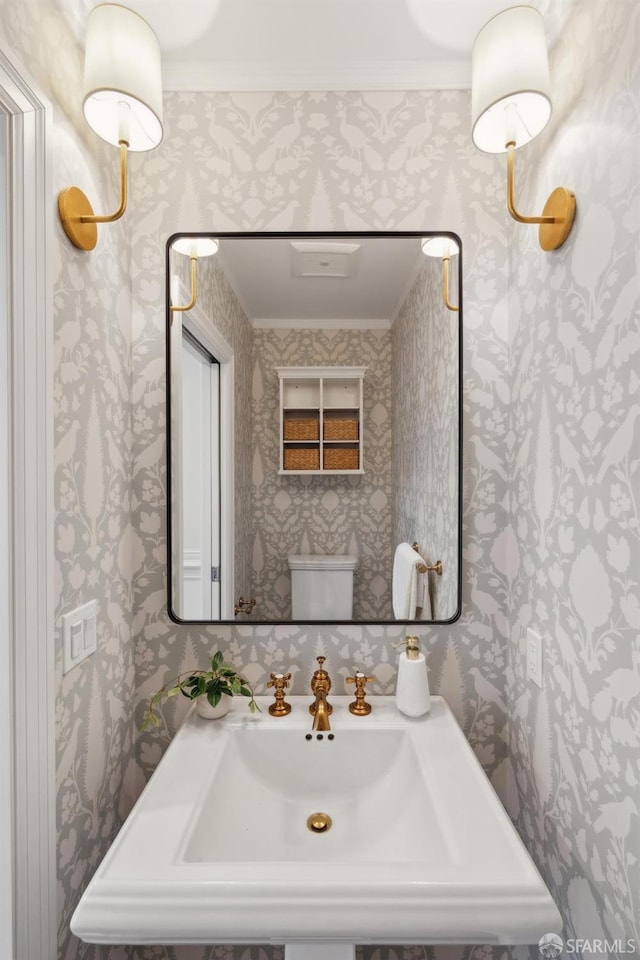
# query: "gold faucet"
[[320, 708]]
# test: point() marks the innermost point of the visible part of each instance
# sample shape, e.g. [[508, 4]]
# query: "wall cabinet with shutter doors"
[[321, 419]]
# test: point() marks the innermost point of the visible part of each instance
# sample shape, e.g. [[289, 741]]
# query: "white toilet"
[[322, 586]]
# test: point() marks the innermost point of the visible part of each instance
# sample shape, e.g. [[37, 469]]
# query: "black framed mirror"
[[314, 427]]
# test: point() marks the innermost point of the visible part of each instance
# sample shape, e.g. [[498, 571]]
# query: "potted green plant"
[[210, 688]]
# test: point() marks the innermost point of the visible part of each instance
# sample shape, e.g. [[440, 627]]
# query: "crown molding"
[[236, 76], [360, 323]]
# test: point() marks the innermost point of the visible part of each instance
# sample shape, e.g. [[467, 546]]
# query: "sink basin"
[[269, 781], [384, 830]]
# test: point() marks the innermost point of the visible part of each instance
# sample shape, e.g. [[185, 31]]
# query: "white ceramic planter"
[[205, 710]]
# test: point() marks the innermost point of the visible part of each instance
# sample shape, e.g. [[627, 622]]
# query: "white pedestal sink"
[[218, 848]]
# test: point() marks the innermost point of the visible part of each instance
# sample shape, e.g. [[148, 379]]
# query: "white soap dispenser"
[[412, 690]]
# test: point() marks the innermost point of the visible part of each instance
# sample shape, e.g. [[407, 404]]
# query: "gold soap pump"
[[412, 689]]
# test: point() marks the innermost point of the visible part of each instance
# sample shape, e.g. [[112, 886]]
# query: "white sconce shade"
[[196, 246], [510, 99], [440, 247], [122, 66]]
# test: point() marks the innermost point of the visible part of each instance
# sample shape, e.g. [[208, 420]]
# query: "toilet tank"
[[322, 586]]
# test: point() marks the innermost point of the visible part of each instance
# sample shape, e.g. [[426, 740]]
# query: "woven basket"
[[302, 429], [301, 459], [340, 459], [335, 429]]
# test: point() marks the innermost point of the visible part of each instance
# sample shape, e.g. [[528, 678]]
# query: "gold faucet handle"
[[320, 686], [321, 678], [280, 682], [359, 706]]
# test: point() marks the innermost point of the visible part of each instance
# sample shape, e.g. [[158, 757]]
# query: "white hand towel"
[[425, 611], [404, 590]]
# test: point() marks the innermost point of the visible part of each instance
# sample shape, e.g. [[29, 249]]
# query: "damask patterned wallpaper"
[[329, 514], [550, 510], [572, 448]]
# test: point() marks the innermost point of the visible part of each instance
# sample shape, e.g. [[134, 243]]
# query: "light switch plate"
[[79, 634], [534, 657]]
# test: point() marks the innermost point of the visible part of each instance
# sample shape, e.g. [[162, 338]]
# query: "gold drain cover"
[[319, 822]]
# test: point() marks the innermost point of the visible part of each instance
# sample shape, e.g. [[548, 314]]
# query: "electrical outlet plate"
[[534, 657], [79, 634]]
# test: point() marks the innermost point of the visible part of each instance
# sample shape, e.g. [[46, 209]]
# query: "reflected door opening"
[[200, 516]]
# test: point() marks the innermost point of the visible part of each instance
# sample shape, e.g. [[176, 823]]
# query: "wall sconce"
[[511, 104], [122, 104], [194, 247], [444, 248]]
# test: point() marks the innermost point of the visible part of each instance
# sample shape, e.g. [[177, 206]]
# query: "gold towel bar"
[[428, 568]]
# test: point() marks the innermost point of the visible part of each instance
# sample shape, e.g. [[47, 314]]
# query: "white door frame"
[[200, 462], [197, 324], [28, 719], [201, 327]]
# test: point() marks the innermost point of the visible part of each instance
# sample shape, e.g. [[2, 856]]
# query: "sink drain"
[[319, 822]]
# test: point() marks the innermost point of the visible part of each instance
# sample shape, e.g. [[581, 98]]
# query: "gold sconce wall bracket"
[[558, 214], [76, 213]]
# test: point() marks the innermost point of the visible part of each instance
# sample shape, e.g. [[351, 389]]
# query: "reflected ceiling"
[[321, 282]]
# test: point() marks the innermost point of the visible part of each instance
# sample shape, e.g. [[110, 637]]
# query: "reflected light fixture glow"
[[511, 104], [443, 248], [122, 104], [194, 248]]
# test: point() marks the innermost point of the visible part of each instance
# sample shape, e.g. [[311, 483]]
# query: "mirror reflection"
[[314, 427]]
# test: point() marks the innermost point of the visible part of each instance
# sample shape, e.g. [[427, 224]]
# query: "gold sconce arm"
[[112, 217], [558, 214], [194, 290], [195, 248], [76, 213], [445, 285], [511, 190], [442, 247]]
